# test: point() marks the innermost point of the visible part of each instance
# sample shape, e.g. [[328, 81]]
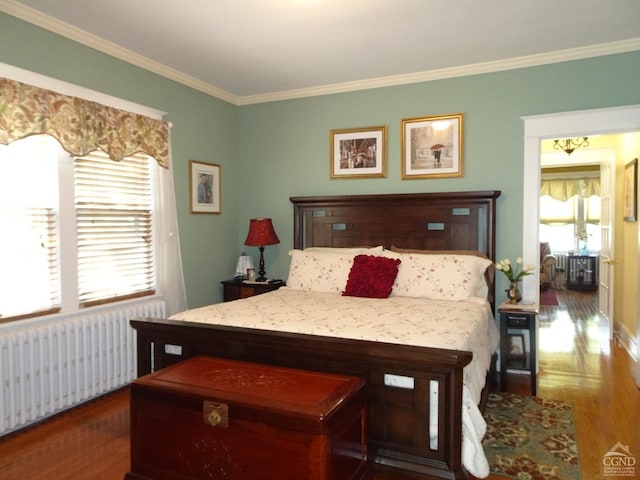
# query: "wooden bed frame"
[[398, 417]]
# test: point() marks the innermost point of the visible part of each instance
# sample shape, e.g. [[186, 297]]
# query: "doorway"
[[563, 125], [575, 218]]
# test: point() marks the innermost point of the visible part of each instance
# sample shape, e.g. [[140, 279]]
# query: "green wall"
[[283, 148], [203, 129], [271, 151]]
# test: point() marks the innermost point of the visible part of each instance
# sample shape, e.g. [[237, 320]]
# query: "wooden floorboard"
[[577, 364], [87, 442]]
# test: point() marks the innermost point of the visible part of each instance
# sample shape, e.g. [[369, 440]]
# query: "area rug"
[[548, 297], [531, 438]]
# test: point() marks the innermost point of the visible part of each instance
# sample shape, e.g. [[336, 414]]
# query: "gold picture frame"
[[630, 208], [432, 147], [204, 187], [358, 152]]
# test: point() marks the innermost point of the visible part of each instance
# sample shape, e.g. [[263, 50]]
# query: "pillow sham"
[[489, 275], [319, 271], [440, 276], [371, 276]]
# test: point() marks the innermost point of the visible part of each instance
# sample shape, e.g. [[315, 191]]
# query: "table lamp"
[[261, 233]]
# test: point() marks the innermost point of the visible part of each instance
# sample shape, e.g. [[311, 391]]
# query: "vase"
[[513, 293]]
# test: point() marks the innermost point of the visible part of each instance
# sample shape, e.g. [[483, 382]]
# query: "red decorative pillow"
[[371, 276]]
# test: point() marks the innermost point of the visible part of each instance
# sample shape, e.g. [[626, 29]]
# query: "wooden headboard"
[[431, 221]]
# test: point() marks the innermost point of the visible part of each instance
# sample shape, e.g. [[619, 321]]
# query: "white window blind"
[[74, 232], [561, 221], [28, 259], [29, 273], [114, 226]]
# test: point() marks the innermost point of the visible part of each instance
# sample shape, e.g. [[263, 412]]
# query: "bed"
[[419, 395]]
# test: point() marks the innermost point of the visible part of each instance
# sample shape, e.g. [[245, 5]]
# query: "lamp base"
[[261, 271]]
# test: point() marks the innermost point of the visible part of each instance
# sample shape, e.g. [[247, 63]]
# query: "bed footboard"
[[415, 394]]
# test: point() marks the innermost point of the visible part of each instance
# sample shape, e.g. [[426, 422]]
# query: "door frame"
[[562, 125]]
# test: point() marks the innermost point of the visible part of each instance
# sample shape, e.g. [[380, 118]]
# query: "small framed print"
[[516, 346], [358, 152], [432, 147], [204, 187], [631, 191]]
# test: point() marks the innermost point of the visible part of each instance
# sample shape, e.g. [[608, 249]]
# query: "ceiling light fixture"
[[569, 145]]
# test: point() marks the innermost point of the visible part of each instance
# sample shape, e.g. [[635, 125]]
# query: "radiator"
[[561, 261], [48, 368]]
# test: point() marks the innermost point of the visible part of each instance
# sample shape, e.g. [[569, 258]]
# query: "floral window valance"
[[564, 188], [81, 126]]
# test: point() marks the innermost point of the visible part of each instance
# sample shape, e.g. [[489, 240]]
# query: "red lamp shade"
[[261, 233]]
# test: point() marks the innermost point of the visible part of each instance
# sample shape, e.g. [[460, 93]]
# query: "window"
[[29, 273], [560, 223], [76, 232]]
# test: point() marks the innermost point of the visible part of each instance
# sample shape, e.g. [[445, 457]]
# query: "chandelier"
[[570, 144]]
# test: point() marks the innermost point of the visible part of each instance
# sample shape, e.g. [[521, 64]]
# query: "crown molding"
[[54, 25], [559, 56]]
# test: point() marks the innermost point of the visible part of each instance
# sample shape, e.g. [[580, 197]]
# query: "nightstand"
[[237, 289], [515, 320]]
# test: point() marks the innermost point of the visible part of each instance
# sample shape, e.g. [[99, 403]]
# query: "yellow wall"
[[626, 243], [626, 254]]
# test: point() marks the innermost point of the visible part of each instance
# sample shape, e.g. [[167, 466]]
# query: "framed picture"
[[432, 147], [631, 191], [204, 187], [359, 152], [516, 346]]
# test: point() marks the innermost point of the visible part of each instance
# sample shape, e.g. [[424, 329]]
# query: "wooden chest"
[[210, 418]]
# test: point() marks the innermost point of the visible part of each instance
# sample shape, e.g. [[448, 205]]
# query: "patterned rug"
[[531, 438]]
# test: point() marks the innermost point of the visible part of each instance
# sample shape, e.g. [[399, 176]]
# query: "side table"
[[515, 320], [237, 288]]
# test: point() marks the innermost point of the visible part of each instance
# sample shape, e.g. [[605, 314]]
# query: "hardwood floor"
[[87, 442], [577, 364]]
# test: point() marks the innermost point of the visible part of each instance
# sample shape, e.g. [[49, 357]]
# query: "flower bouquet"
[[514, 274]]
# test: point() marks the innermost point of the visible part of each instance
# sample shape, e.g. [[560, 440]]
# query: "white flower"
[[516, 274]]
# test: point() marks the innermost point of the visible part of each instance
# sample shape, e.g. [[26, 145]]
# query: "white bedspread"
[[467, 325]]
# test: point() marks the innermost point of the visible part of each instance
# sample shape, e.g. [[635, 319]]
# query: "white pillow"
[[319, 271], [440, 277]]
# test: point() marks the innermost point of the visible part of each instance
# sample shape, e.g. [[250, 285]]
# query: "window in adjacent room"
[[76, 232], [572, 225]]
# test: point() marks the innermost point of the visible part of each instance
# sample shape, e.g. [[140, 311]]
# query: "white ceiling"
[[247, 51]]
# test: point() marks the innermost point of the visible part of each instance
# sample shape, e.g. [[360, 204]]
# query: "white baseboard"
[[627, 340]]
